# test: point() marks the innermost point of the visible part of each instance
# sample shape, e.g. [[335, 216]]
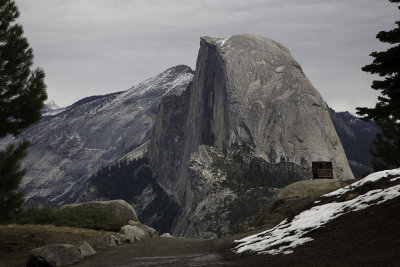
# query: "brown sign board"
[[322, 170]]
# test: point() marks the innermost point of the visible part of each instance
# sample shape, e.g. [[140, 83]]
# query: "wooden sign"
[[322, 170]]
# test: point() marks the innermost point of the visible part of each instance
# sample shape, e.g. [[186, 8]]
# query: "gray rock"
[[247, 91], [149, 231], [295, 197], [311, 188], [166, 235], [66, 148], [85, 249], [117, 240], [120, 208], [105, 241], [54, 255], [123, 238], [133, 232], [133, 223]]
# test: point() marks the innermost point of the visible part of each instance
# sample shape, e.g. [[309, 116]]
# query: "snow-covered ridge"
[[283, 238], [172, 81], [167, 79], [51, 109]]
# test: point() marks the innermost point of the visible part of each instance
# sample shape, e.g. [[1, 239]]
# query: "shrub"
[[73, 217]]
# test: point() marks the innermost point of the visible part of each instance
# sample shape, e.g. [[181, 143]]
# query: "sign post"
[[322, 170]]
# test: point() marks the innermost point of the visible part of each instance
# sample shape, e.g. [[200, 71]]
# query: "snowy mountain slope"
[[51, 109], [375, 189], [67, 147]]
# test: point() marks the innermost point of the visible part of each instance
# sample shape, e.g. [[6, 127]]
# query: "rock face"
[[248, 90], [86, 250], [120, 208], [247, 93], [75, 142]]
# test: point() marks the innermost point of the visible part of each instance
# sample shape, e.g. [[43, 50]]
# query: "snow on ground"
[[54, 112], [370, 178], [290, 234]]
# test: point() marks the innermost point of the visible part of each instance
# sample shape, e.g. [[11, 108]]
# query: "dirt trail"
[[163, 252]]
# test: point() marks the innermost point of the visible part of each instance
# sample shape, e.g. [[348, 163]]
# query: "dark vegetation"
[[126, 180], [254, 181], [22, 93], [245, 171], [78, 217]]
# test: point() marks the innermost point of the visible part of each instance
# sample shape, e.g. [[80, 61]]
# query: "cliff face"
[[69, 146], [273, 107], [247, 92]]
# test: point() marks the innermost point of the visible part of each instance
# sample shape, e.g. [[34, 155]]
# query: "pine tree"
[[22, 93], [386, 112]]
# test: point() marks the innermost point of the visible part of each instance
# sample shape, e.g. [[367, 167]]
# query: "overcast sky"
[[93, 47]]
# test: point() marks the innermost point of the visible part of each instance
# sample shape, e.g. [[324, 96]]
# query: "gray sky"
[[92, 47]]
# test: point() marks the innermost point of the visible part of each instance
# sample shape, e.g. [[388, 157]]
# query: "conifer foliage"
[[386, 112], [22, 92]]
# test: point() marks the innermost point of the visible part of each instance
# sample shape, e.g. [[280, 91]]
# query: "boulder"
[[54, 255], [166, 235], [149, 231], [133, 232], [117, 240], [85, 249], [311, 188], [120, 208], [123, 238], [295, 197], [105, 241]]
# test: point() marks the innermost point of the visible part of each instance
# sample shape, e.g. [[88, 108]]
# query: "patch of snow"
[[54, 112], [283, 238], [222, 41], [395, 179], [167, 79], [370, 178]]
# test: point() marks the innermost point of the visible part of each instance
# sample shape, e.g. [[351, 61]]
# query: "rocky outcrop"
[[86, 250], [54, 255], [247, 93], [133, 232], [119, 208], [311, 188]]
